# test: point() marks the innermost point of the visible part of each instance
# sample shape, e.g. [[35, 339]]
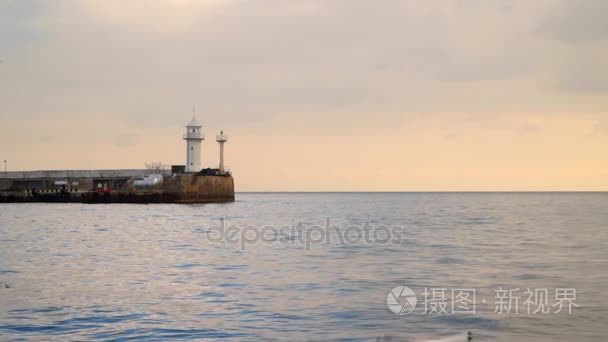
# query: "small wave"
[[8, 272], [526, 276], [229, 267], [101, 319], [211, 294], [33, 311], [449, 260], [188, 265], [231, 285], [162, 334], [476, 321]]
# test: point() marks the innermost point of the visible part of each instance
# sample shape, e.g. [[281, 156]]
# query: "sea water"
[[309, 266]]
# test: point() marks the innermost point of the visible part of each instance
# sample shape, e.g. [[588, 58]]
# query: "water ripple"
[[148, 272]]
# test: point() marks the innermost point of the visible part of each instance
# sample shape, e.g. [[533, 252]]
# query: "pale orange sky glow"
[[315, 95]]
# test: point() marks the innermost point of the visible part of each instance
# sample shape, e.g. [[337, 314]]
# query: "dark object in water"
[[469, 336], [4, 285]]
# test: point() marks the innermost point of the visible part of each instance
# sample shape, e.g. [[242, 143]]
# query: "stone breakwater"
[[114, 186]]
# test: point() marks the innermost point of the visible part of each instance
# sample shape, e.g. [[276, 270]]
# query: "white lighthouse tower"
[[221, 139], [194, 135]]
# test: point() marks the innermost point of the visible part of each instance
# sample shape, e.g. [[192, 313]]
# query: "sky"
[[315, 95]]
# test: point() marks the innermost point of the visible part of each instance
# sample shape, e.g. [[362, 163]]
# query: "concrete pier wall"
[[115, 186], [196, 189]]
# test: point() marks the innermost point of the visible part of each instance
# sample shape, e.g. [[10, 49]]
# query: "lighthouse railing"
[[194, 135]]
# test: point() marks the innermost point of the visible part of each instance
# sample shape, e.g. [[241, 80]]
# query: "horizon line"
[[420, 191]]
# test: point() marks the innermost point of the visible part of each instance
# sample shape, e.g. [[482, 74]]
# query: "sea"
[[309, 267]]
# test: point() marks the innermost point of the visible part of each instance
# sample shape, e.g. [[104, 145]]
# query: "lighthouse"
[[194, 136], [221, 139]]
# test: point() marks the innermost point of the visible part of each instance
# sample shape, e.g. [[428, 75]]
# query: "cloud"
[[582, 70], [577, 21], [123, 140], [600, 129], [352, 72], [164, 17], [261, 57]]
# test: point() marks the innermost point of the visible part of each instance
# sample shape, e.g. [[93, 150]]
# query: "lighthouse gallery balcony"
[[194, 135]]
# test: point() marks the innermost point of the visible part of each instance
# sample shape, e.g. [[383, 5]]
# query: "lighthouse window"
[[191, 148]]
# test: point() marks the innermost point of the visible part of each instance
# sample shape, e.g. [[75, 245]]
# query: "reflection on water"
[[148, 271]]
